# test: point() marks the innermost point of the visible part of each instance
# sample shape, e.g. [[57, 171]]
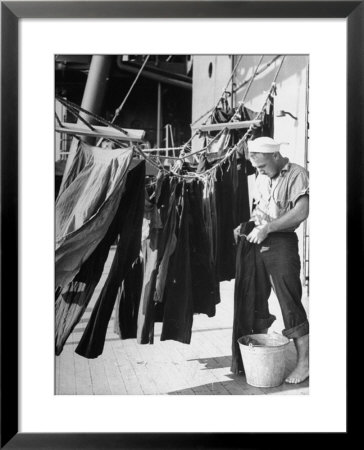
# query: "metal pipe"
[[93, 97], [153, 76], [159, 114], [95, 88]]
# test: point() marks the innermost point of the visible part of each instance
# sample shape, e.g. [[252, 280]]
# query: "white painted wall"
[[206, 90]]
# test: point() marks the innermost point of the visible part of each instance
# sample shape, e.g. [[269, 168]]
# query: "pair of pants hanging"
[[128, 300], [178, 298], [205, 285], [225, 252], [127, 251], [219, 217], [157, 249], [73, 298], [157, 246]]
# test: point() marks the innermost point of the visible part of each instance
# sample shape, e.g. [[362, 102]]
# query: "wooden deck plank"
[[112, 370], [67, 382], [166, 367], [100, 385], [127, 371], [83, 376]]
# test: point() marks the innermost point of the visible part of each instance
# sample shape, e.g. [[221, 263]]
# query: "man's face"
[[265, 163]]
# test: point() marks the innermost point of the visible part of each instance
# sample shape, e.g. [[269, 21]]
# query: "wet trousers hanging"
[[73, 298], [127, 251]]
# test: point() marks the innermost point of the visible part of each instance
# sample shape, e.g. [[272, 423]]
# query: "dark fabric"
[[139, 288], [57, 184], [128, 299], [259, 267], [241, 208], [265, 129], [127, 251], [219, 203], [178, 298], [278, 266], [157, 250], [205, 286], [244, 295], [145, 333], [152, 229], [167, 203], [267, 118], [72, 302], [225, 251], [226, 205]]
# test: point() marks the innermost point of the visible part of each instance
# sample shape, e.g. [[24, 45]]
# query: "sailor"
[[281, 205]]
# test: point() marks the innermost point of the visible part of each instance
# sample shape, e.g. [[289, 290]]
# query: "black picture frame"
[[11, 13]]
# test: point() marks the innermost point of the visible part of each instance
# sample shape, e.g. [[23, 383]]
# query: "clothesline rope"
[[78, 116], [187, 155], [201, 176], [213, 109], [99, 119], [118, 110], [178, 164], [183, 147], [246, 135], [58, 120]]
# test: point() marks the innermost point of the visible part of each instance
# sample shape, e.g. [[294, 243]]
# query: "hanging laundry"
[[209, 217], [128, 300], [247, 312], [216, 147], [86, 208], [150, 248], [80, 159], [178, 297], [266, 128], [205, 286], [168, 239], [239, 173], [127, 251], [225, 254], [72, 301]]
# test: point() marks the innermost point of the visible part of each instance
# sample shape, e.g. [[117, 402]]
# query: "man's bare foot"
[[301, 371], [299, 374]]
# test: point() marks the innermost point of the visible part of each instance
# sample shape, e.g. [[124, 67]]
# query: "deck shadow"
[[217, 362], [237, 385]]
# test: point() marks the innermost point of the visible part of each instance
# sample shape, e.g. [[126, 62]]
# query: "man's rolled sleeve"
[[299, 187]]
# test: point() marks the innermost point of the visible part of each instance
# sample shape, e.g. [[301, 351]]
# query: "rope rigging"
[[154, 159]]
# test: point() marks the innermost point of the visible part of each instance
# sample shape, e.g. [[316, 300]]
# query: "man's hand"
[[237, 234], [258, 234]]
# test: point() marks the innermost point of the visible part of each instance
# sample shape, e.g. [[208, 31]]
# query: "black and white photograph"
[[182, 253], [181, 203]]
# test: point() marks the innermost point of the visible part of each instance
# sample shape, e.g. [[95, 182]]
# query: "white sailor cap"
[[264, 145]]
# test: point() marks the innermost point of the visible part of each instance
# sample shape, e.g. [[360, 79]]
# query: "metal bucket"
[[264, 358]]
